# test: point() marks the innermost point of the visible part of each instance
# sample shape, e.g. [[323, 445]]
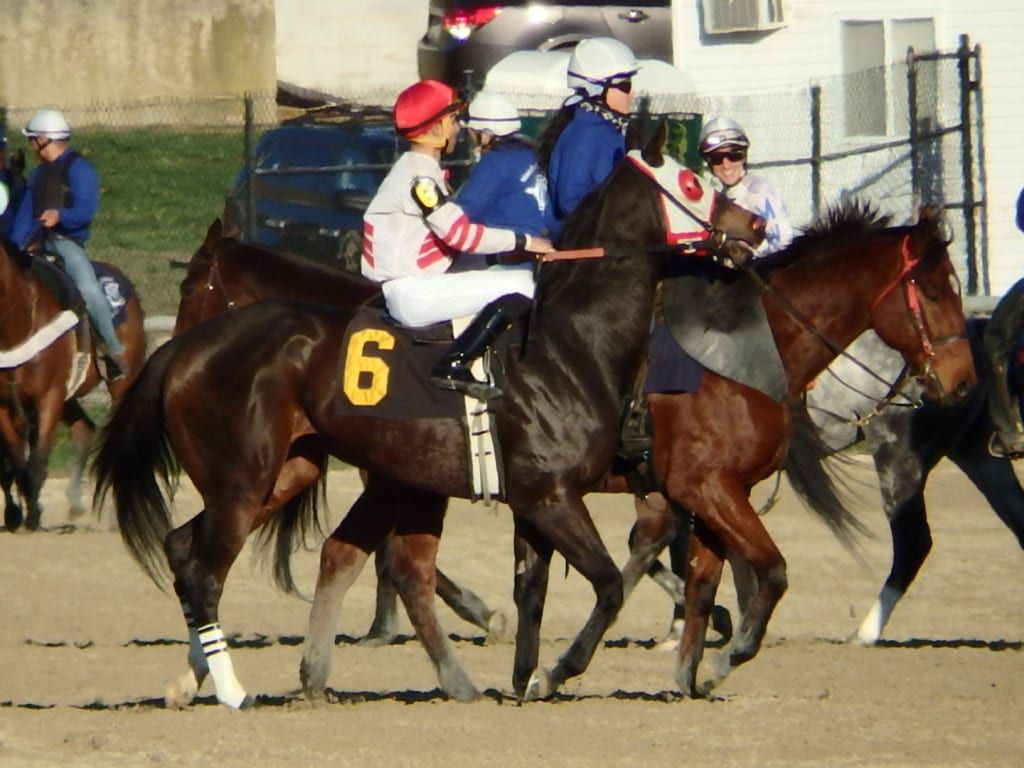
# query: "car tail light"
[[461, 22]]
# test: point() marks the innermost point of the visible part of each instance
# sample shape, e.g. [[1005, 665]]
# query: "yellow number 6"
[[359, 390]]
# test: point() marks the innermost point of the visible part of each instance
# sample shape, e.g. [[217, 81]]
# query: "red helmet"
[[423, 104]]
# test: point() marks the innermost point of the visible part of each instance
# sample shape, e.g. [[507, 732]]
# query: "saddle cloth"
[[384, 373], [117, 291], [720, 325]]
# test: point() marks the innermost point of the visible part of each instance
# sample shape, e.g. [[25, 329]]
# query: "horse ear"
[[932, 223], [214, 234], [652, 153]]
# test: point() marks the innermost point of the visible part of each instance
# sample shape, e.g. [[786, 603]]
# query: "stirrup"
[[998, 449], [113, 370], [459, 379]]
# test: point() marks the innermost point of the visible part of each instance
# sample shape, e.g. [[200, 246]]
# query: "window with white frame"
[[875, 97]]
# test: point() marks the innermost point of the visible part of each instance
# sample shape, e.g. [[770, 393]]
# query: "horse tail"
[[290, 528], [133, 451], [817, 480]]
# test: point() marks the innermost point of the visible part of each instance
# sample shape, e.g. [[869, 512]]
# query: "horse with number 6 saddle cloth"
[[384, 373]]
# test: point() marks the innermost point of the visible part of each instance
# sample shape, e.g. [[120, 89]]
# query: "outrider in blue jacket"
[[77, 209]]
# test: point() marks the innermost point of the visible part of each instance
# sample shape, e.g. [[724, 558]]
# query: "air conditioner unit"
[[724, 16]]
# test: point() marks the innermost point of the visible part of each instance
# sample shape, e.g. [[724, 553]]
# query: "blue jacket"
[[76, 218], [583, 157], [506, 189]]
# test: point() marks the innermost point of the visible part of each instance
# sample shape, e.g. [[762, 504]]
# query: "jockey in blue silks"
[[582, 145], [506, 188], [59, 204]]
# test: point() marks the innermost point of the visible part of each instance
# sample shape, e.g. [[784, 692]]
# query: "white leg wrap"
[[215, 648]]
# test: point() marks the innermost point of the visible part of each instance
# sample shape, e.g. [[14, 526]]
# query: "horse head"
[[925, 302], [693, 210]]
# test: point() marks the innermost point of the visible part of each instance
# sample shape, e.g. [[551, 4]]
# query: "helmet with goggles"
[[720, 135], [422, 105], [599, 63], [49, 123], [493, 113]]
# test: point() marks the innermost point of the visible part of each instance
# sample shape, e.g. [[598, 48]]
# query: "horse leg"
[[384, 628], [994, 477], [13, 515], [532, 563], [911, 543], [471, 608], [82, 430], [182, 691], [200, 555], [568, 527], [342, 557], [653, 530], [736, 527], [414, 567], [703, 573], [33, 475]]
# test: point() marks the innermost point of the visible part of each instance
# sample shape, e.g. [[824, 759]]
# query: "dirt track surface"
[[87, 645]]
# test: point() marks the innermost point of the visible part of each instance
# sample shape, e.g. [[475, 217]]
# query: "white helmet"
[[493, 113], [719, 133], [599, 61], [49, 123]]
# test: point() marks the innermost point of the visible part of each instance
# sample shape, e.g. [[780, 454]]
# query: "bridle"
[[905, 278]]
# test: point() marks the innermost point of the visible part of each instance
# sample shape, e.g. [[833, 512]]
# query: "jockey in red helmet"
[[413, 233]]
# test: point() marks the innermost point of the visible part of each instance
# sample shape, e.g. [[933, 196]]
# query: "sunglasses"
[[626, 86], [720, 157]]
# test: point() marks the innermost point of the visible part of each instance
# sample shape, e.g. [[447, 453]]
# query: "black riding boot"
[[452, 371]]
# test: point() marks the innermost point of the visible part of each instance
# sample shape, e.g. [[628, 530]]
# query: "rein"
[[917, 315]]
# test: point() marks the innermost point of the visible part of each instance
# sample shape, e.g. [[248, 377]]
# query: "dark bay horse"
[[244, 404], [39, 346], [226, 273]]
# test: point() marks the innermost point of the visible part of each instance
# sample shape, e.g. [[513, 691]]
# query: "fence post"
[[816, 161], [963, 55], [913, 134], [249, 225]]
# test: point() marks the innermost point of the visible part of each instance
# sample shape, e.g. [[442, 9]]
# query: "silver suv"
[[465, 38]]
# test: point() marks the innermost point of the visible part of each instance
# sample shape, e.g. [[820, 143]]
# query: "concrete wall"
[[75, 52], [349, 47]]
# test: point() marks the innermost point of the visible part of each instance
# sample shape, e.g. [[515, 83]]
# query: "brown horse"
[[245, 404], [41, 346], [849, 273]]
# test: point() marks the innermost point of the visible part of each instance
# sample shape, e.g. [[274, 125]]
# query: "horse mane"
[[842, 222]]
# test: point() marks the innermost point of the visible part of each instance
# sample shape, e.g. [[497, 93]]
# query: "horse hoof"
[[181, 692], [77, 511], [498, 629], [540, 686], [671, 641], [377, 640], [13, 518]]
